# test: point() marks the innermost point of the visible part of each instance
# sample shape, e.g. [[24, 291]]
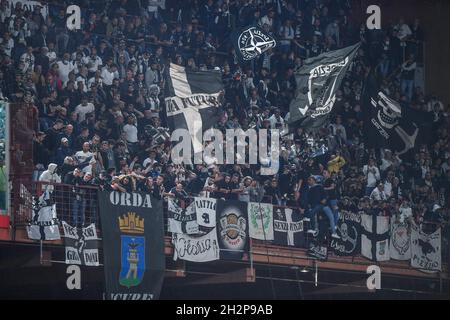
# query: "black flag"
[[391, 125], [288, 227], [232, 229], [317, 82], [133, 245], [192, 101], [252, 41]]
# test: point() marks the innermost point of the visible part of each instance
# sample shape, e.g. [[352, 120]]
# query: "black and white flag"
[[81, 245], [426, 250], [202, 248], [44, 223], [400, 244], [319, 252], [348, 228], [260, 219], [192, 101], [232, 229], [288, 227], [205, 209], [317, 82], [388, 124], [182, 220], [375, 237], [252, 41]]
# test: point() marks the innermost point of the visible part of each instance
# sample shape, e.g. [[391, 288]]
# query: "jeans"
[[78, 210], [407, 87], [312, 214], [334, 208], [384, 67]]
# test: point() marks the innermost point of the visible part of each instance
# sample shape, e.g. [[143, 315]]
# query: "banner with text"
[[133, 245]]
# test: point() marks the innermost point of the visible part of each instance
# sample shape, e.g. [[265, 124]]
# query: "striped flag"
[[192, 101]]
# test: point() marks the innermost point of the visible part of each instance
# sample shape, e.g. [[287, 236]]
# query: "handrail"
[[191, 196]]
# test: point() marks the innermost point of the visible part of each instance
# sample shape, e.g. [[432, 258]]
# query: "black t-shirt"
[[223, 185], [233, 196], [331, 194]]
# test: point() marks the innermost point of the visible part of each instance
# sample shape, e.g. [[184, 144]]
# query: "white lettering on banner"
[[29, 6], [74, 279], [131, 296], [130, 199], [176, 105], [205, 209], [197, 249]]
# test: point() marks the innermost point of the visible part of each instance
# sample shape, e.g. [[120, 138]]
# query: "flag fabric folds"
[[317, 82], [375, 237], [192, 101], [390, 125]]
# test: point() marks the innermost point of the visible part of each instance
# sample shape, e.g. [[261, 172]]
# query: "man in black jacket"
[[317, 201]]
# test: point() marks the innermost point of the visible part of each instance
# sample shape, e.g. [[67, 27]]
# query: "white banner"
[[182, 220], [400, 246], [81, 245], [375, 237], [29, 6], [44, 223], [205, 209], [197, 249], [260, 220], [426, 250]]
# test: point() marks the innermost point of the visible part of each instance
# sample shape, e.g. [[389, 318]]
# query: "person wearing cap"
[[63, 151]]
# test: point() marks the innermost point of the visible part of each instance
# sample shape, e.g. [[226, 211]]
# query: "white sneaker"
[[313, 232], [335, 235], [306, 219]]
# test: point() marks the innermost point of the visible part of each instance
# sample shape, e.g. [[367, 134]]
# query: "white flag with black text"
[[192, 101]]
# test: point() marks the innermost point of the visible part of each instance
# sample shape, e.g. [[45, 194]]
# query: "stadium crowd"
[[98, 97]]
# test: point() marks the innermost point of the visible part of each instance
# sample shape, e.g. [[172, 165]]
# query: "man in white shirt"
[[372, 174], [84, 108], [28, 60], [109, 73], [150, 160], [268, 19], [65, 67], [131, 131], [378, 193], [276, 118], [7, 43], [85, 154], [51, 54], [93, 61]]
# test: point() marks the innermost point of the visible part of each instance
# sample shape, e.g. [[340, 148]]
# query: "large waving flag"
[[317, 82], [192, 101]]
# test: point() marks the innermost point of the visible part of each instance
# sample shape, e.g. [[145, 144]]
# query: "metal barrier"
[[68, 198]]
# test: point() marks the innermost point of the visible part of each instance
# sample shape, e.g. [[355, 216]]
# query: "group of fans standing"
[[98, 104]]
